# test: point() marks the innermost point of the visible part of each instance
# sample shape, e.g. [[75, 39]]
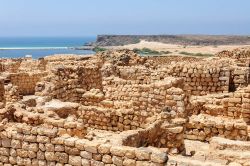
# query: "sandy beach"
[[177, 49]]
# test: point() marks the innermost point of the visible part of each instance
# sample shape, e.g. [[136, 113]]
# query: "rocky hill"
[[119, 40]]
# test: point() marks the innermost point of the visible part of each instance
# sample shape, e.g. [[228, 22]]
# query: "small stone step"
[[231, 155], [218, 143], [203, 127], [189, 161]]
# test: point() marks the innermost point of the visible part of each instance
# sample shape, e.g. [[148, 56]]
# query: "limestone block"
[[97, 163], [5, 151], [75, 160], [16, 144], [104, 148], [117, 160], [86, 155], [129, 152], [6, 142], [43, 139], [85, 162], [62, 157], [97, 157], [107, 159], [142, 154], [72, 151], [117, 151], [91, 147], [50, 156], [129, 162], [79, 144], [70, 141], [59, 148], [49, 147], [22, 153]]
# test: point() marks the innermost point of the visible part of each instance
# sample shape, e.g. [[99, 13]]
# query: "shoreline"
[[34, 48], [39, 52]]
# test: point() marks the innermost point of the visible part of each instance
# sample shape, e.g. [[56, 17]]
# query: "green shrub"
[[204, 55], [99, 49], [166, 52], [146, 51], [136, 50], [196, 54], [186, 53], [136, 41]]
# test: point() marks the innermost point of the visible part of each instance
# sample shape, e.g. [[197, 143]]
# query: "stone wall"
[[71, 83], [11, 93], [238, 53], [126, 105], [204, 127], [163, 60], [200, 78], [232, 105], [224, 115], [30, 65], [138, 74], [41, 146], [166, 132], [240, 77], [26, 82], [1, 90], [147, 99], [9, 66], [111, 119], [92, 87], [240, 73]]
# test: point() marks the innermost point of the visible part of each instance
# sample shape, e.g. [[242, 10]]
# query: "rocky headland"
[[121, 40]]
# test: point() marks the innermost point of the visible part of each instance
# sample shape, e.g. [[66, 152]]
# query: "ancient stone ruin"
[[117, 108]]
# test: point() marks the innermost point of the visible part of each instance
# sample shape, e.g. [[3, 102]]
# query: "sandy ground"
[[176, 49]]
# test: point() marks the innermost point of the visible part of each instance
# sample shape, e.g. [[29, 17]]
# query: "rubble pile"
[[239, 53]]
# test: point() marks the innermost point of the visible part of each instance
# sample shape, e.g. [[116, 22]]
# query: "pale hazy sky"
[[91, 17]]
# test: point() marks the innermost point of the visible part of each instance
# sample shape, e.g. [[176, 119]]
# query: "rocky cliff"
[[118, 40]]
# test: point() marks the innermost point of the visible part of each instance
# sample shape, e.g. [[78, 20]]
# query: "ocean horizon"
[[17, 47]]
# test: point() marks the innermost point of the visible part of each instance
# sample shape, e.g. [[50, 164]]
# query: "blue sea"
[[15, 47]]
